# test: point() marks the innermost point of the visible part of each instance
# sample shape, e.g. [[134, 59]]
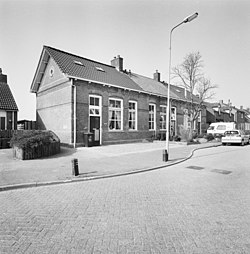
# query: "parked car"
[[235, 137]]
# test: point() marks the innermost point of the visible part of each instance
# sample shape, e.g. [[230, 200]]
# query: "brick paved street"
[[202, 209], [94, 161]]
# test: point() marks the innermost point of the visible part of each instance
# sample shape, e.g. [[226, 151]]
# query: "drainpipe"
[[74, 120]]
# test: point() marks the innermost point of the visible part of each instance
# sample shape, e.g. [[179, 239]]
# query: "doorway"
[[95, 113], [95, 129], [2, 123]]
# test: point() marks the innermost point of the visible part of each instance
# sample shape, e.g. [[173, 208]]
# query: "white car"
[[235, 137]]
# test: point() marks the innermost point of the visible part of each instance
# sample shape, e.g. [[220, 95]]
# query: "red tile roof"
[[7, 101]]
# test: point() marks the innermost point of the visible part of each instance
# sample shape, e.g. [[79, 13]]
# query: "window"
[[231, 133], [221, 127], [199, 117], [173, 114], [78, 63], [132, 115], [151, 123], [100, 69], [94, 105], [173, 121], [163, 117], [186, 120], [115, 114]]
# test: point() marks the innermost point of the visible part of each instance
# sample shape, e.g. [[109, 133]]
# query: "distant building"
[[226, 112], [8, 106], [26, 125]]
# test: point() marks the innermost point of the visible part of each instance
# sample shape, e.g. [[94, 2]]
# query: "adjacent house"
[[75, 95], [8, 106], [226, 112]]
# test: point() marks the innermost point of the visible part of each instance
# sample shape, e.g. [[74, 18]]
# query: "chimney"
[[157, 76], [3, 78], [241, 107], [117, 62]]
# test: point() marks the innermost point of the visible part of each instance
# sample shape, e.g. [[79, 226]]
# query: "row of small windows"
[[115, 116], [81, 64]]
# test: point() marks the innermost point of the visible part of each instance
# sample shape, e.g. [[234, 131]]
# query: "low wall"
[[37, 152]]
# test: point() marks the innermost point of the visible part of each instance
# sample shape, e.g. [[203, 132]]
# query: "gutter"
[[74, 117], [129, 89]]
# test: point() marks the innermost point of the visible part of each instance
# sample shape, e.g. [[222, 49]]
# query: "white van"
[[220, 128]]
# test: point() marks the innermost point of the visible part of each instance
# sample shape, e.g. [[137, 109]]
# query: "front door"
[[95, 129]]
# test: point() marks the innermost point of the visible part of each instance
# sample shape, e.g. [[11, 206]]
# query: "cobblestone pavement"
[[199, 206]]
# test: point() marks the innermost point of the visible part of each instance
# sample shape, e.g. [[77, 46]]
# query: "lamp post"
[[166, 150]]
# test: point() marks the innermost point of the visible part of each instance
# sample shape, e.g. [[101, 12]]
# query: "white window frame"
[[199, 117], [115, 109], [100, 112], [154, 117], [173, 116], [186, 122], [94, 107], [164, 116], [136, 115]]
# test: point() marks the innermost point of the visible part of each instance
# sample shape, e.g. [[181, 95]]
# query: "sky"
[[138, 31]]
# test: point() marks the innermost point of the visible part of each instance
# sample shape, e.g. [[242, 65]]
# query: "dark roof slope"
[[150, 85], [79, 67], [180, 91], [7, 101], [83, 68]]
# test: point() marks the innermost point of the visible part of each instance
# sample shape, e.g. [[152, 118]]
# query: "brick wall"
[[84, 89]]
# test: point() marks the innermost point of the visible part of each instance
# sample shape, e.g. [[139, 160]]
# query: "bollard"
[[75, 169], [165, 155]]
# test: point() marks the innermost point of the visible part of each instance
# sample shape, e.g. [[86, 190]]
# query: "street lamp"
[[166, 150]]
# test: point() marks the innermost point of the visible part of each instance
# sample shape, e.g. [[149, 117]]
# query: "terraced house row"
[[76, 95]]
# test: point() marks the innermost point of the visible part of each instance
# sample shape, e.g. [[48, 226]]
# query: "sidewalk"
[[94, 162]]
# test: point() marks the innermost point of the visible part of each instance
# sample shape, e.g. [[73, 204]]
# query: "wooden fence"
[[37, 152]]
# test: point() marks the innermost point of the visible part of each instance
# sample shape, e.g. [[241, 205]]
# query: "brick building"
[[76, 95], [8, 106]]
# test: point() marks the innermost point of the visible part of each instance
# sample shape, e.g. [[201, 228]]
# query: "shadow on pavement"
[[65, 151]]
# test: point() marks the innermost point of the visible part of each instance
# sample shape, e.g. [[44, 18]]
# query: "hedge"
[[32, 144]]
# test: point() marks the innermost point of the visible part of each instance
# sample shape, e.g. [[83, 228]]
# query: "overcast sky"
[[136, 30]]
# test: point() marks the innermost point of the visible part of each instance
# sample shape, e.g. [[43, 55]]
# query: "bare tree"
[[192, 79]]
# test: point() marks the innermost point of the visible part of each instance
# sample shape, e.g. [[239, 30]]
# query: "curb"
[[40, 184]]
